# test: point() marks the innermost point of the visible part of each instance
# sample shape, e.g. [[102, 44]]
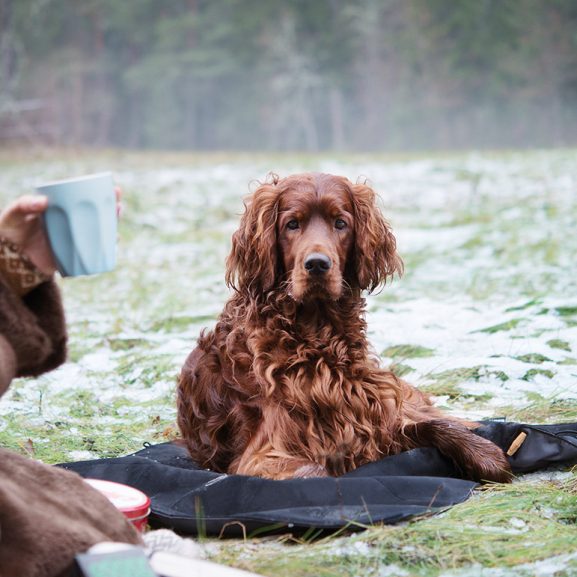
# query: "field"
[[485, 319]]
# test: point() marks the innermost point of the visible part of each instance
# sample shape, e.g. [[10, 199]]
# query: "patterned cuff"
[[17, 270]]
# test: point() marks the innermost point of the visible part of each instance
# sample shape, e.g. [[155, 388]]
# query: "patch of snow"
[[81, 455], [558, 565], [391, 570]]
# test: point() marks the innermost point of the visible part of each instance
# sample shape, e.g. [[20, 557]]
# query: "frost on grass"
[[555, 566], [485, 318]]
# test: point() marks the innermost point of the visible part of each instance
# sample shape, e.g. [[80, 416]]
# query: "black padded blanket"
[[195, 501]]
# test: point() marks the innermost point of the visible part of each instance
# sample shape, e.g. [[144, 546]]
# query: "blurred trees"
[[290, 74]]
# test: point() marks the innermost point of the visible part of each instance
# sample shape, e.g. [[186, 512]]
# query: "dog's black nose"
[[317, 263]]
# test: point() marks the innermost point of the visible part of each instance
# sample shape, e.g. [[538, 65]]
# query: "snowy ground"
[[485, 317]]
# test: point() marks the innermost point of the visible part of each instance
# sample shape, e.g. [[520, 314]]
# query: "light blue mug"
[[81, 223]]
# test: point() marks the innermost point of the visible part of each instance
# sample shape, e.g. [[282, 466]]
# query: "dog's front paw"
[[309, 471]]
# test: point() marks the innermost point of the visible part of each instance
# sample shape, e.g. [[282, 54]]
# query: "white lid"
[[123, 497]]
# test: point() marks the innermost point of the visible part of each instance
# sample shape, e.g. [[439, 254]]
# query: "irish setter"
[[286, 384]]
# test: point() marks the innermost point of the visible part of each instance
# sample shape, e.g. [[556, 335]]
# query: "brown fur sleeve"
[[34, 327], [7, 364], [45, 303], [48, 515]]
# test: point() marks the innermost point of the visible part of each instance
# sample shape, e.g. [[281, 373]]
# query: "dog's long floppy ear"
[[252, 262], [375, 249]]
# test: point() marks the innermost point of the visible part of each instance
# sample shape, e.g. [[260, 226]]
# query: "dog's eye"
[[340, 224], [292, 224]]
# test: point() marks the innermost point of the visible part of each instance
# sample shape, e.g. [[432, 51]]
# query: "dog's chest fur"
[[314, 367]]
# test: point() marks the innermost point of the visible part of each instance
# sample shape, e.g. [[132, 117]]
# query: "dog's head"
[[317, 234]]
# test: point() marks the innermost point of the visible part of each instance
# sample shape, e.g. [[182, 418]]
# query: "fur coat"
[[47, 515]]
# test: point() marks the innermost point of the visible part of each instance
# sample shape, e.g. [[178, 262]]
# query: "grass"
[[559, 344], [488, 243], [531, 373], [543, 410], [533, 358], [407, 352], [506, 326], [566, 311]]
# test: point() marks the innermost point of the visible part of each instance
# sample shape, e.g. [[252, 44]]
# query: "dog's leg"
[[279, 467], [204, 416], [477, 458], [266, 456]]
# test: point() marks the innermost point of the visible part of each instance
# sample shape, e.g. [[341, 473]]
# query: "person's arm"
[[45, 303], [32, 325], [7, 364], [34, 328]]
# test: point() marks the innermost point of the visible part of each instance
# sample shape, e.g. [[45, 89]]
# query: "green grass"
[[533, 358], [559, 344], [407, 352], [566, 311], [524, 306], [454, 376], [531, 373], [505, 326], [447, 384], [543, 410], [443, 389], [180, 323]]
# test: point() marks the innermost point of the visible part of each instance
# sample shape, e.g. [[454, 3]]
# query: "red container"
[[134, 504]]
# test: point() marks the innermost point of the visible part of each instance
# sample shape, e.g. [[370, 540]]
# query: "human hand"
[[21, 223], [118, 192]]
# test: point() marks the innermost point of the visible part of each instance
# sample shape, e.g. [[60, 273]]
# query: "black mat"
[[191, 500]]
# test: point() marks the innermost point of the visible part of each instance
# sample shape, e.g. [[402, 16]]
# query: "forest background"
[[352, 75]]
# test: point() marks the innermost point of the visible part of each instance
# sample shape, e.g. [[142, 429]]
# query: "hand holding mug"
[[21, 223]]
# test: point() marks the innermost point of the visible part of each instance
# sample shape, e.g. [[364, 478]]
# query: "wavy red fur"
[[286, 384]]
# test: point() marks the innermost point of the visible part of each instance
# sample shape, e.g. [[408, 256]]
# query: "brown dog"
[[286, 385]]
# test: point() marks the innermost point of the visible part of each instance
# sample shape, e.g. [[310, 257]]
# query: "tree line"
[[289, 74]]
